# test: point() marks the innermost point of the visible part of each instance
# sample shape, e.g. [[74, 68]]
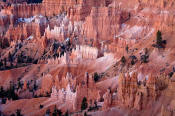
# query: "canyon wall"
[[134, 94], [101, 21], [77, 55], [73, 94]]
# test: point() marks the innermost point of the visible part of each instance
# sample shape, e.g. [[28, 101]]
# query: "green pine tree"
[[84, 104], [55, 112], [123, 59], [159, 38]]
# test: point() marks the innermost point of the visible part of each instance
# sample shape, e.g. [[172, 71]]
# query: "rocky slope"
[[101, 57]]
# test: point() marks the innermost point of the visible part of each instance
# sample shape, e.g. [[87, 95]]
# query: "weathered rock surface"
[[50, 46]]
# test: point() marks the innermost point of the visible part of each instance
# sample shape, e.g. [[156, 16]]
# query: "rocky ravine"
[[106, 57]]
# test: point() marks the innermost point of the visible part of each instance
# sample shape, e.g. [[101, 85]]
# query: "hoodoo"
[[87, 58]]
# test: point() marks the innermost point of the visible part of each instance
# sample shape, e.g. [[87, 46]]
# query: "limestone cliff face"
[[76, 9], [71, 94], [64, 96], [30, 10], [62, 27], [77, 55], [23, 31], [107, 100], [46, 84], [102, 20], [95, 28], [134, 94]]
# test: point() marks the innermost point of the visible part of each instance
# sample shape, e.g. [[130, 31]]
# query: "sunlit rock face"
[[72, 94], [96, 56], [77, 55]]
